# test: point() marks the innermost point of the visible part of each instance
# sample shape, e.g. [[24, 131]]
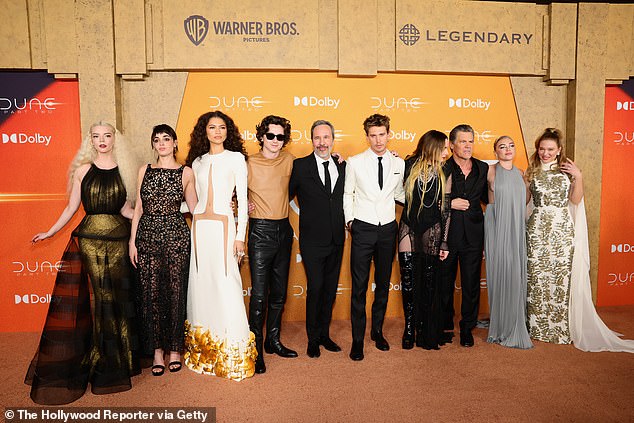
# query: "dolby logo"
[[622, 248], [20, 138], [625, 105], [32, 299], [467, 103], [312, 101]]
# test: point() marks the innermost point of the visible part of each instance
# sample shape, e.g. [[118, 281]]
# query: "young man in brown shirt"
[[270, 235]]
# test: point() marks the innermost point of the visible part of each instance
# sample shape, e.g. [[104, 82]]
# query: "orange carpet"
[[483, 383]]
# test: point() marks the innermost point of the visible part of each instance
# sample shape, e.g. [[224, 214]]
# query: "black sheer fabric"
[[425, 229], [77, 346], [163, 245]]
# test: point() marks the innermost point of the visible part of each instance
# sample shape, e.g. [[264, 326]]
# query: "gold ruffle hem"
[[208, 354]]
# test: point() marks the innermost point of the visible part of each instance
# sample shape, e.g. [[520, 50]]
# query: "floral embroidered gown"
[[550, 234]]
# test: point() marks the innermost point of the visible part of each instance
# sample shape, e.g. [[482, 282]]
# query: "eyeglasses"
[[270, 136]]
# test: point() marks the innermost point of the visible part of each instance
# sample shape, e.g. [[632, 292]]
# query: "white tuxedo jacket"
[[362, 198]]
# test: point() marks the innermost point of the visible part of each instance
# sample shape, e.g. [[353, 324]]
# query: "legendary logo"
[[196, 28], [409, 34], [625, 105]]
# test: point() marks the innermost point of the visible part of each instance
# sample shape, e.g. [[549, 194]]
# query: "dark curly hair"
[[263, 128], [199, 143]]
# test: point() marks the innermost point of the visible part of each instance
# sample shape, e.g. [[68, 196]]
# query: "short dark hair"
[[164, 128], [322, 122], [263, 127], [463, 127], [376, 120]]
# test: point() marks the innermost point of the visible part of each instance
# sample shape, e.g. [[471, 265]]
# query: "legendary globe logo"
[[196, 28], [409, 34]]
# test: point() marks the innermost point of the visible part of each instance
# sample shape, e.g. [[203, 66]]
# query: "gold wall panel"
[[129, 36], [14, 33], [620, 20], [60, 36], [328, 36], [357, 46], [539, 106], [562, 40], [257, 35], [467, 36]]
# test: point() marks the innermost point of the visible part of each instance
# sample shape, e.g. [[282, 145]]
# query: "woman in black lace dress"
[[80, 346], [160, 248], [426, 223]]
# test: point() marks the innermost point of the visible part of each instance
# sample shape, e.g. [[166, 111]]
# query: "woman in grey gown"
[[505, 249]]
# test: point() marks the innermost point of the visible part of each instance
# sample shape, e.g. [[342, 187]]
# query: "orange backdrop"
[[40, 133], [616, 236], [415, 104]]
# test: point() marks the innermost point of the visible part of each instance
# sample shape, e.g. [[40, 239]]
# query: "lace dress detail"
[[163, 245], [425, 221]]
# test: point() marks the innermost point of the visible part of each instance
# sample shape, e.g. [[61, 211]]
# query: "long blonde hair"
[[534, 164], [427, 165], [126, 160]]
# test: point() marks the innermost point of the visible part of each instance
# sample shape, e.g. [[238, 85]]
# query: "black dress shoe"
[[260, 367], [356, 353], [330, 345], [466, 338], [379, 341], [276, 347], [313, 350]]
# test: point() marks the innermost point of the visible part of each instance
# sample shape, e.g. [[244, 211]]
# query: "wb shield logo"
[[196, 28]]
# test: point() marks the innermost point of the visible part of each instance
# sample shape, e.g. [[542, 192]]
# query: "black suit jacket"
[[321, 220], [468, 224]]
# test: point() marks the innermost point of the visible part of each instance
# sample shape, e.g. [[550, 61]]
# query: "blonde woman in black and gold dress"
[[79, 346]]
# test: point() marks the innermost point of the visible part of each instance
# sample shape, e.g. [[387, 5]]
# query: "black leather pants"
[[269, 246], [406, 263]]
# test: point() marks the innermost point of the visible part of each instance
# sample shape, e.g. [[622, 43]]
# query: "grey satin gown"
[[505, 254]]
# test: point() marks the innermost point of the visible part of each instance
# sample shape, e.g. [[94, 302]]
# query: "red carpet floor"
[[483, 383]]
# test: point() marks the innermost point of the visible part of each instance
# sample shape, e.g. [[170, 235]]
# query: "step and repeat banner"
[[616, 237], [415, 104], [40, 131]]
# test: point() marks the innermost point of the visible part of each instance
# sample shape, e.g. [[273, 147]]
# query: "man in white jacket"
[[374, 180]]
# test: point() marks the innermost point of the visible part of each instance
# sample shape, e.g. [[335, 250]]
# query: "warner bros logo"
[[196, 28]]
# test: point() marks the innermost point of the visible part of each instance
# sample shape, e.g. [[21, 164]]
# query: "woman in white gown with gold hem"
[[218, 341]]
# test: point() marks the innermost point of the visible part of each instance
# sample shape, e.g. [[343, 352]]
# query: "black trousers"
[[322, 266], [378, 243], [470, 260], [269, 245]]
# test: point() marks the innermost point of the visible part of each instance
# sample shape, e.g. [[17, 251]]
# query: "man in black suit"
[[318, 181], [466, 232]]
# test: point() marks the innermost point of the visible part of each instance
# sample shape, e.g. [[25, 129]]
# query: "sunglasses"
[[270, 136]]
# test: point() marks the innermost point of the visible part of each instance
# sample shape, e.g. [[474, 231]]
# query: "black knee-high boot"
[[407, 290]]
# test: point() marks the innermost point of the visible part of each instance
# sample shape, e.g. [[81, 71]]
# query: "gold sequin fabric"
[[209, 354], [550, 235]]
